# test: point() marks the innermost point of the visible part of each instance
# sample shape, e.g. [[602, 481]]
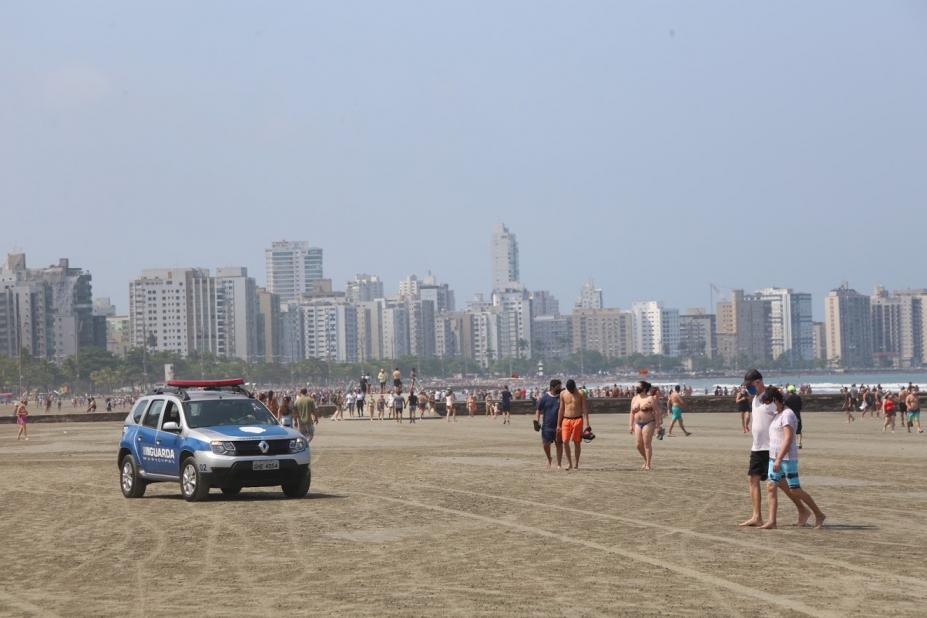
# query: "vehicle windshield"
[[213, 412]]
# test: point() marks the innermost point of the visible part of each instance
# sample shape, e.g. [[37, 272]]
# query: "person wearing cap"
[[793, 402], [762, 415]]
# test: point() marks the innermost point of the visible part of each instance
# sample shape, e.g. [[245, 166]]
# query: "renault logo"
[[264, 446]]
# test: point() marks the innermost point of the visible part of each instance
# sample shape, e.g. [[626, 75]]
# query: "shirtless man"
[[572, 416], [644, 421], [913, 404], [677, 404]]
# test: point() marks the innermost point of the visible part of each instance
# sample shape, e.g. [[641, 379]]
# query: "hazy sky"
[[654, 146]]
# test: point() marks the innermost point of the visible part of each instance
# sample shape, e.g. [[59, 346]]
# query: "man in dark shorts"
[[761, 417], [545, 419], [793, 402], [744, 406], [505, 405]]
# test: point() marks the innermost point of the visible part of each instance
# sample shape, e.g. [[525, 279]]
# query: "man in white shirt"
[[761, 417]]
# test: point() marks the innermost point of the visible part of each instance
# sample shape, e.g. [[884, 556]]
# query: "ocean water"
[[829, 383]]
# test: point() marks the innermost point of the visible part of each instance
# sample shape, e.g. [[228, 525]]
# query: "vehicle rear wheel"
[[193, 487], [231, 491], [133, 485], [298, 489]]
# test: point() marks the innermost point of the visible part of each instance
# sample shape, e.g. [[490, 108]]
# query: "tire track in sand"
[[705, 578], [913, 581]]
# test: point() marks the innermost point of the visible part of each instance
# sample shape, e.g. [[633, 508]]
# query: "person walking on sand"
[[398, 405], [888, 411], [413, 404], [449, 405], [545, 420], [22, 418], [306, 417], [572, 416], [913, 403], [505, 405], [677, 405], [794, 403], [381, 378], [644, 421], [761, 416], [471, 405], [743, 406], [783, 463]]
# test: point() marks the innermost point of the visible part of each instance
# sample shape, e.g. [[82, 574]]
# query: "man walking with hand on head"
[[762, 415]]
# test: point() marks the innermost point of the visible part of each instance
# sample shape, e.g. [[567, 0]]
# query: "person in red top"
[[888, 411]]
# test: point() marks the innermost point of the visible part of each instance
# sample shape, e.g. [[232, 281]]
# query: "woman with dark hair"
[[571, 417], [643, 421]]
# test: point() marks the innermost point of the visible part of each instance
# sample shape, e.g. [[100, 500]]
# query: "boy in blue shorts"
[[783, 462], [545, 421]]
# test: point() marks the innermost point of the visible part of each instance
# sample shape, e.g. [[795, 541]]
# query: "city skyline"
[[227, 314]]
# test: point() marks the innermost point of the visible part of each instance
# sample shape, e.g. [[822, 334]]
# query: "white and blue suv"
[[209, 433]]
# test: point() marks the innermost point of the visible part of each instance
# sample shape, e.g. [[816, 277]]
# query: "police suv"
[[209, 433]]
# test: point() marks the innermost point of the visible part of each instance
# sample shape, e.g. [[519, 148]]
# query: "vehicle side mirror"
[[170, 426]]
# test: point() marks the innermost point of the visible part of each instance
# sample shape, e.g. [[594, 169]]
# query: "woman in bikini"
[[643, 421]]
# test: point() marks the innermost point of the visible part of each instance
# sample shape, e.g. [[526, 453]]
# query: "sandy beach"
[[463, 519]]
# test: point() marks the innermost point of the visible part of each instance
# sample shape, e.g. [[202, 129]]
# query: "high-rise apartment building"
[[329, 330], [819, 338], [656, 329], [504, 256], [293, 269], [188, 311], [698, 336], [552, 336], [848, 323], [48, 312], [514, 312], [790, 331], [364, 288], [590, 297], [609, 332], [744, 326], [269, 336], [544, 303]]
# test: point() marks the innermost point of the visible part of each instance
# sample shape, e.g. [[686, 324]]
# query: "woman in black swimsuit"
[[744, 406], [643, 421]]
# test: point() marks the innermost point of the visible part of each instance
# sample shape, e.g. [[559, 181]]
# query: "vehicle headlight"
[[298, 445], [222, 448]]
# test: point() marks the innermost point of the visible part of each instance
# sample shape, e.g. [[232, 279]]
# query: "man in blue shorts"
[[545, 420]]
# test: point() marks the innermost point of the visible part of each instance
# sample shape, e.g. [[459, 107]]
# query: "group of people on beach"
[[885, 404]]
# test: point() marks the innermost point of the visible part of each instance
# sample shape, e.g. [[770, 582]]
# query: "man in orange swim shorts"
[[572, 417]]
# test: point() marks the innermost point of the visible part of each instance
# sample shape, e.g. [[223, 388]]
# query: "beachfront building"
[[610, 331], [656, 329], [364, 288], [897, 327], [819, 341], [293, 268], [544, 303], [789, 329], [48, 312], [188, 311], [504, 259], [590, 297], [329, 330], [513, 307], [268, 326], [743, 326], [848, 324], [698, 337], [553, 335]]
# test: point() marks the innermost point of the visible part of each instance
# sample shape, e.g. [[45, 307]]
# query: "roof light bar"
[[206, 383]]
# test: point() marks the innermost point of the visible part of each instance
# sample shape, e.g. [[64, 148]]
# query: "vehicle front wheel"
[[133, 485], [193, 487], [298, 489]]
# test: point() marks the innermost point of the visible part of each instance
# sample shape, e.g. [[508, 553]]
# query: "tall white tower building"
[[293, 268], [504, 254]]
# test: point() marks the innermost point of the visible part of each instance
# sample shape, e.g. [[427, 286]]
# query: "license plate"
[[265, 465]]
